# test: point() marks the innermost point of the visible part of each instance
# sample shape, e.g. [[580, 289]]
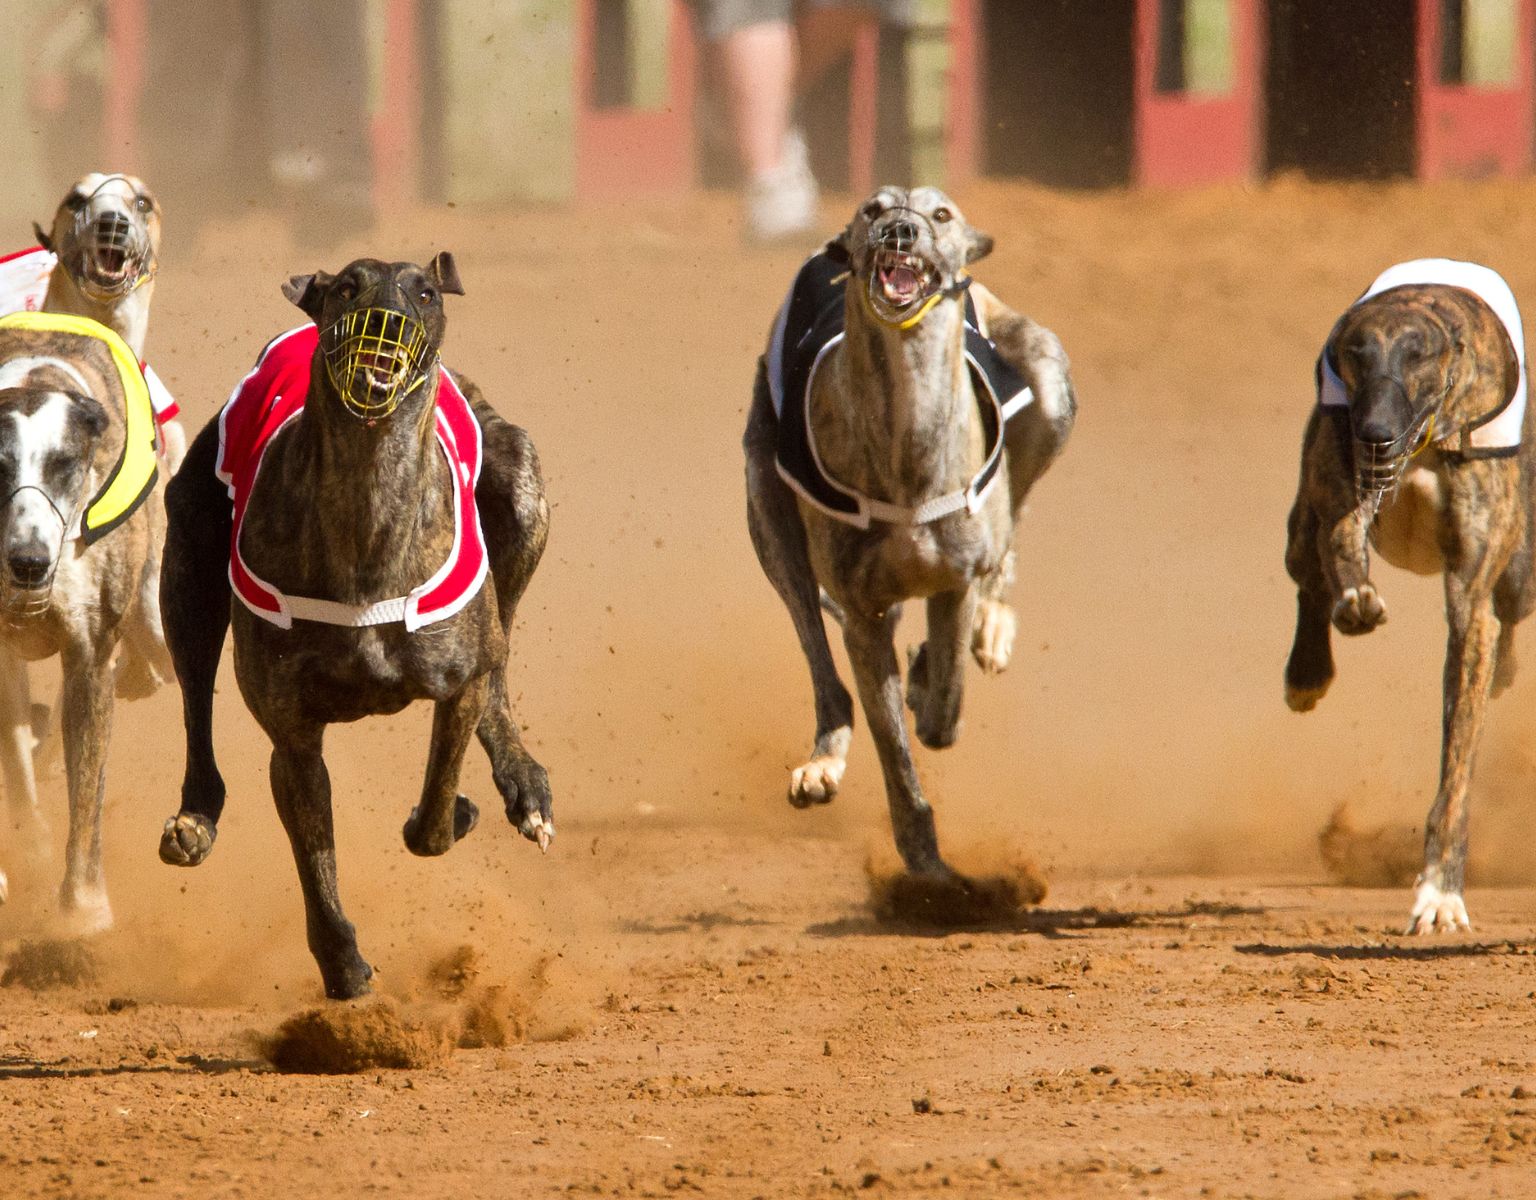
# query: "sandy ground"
[[706, 1004]]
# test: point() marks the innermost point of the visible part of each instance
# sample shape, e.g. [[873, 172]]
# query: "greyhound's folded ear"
[[43, 239], [445, 273], [978, 244], [92, 416], [308, 291], [837, 250]]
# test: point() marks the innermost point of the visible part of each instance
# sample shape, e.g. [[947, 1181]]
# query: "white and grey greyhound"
[[900, 418], [97, 261]]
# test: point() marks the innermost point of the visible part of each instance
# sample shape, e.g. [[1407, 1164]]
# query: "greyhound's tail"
[[833, 608]]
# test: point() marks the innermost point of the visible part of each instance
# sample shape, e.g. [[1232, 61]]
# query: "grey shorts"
[[720, 18]]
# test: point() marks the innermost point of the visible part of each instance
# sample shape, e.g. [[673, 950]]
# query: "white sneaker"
[[781, 204]]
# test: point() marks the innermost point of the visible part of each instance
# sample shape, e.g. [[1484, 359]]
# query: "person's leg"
[[754, 50], [758, 65]]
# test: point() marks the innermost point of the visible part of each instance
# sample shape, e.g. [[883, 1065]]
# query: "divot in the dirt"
[[988, 888], [51, 963], [347, 1037]]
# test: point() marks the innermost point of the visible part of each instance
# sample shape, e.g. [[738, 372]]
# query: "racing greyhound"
[[1421, 446], [899, 420], [395, 580]]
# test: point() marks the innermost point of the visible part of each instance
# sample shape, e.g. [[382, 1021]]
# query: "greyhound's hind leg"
[[936, 683], [1309, 668], [779, 539], [444, 816], [301, 788], [194, 609], [522, 782], [872, 650]]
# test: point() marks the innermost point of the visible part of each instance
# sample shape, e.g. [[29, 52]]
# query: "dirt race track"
[[690, 993]]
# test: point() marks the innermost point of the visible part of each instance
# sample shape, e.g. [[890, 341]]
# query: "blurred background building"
[[489, 101]]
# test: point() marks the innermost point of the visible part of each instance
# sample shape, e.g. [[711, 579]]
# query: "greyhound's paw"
[[187, 840], [992, 636], [530, 807], [421, 842], [1304, 699], [135, 679], [1504, 670], [817, 781], [84, 911], [1359, 610], [1436, 911]]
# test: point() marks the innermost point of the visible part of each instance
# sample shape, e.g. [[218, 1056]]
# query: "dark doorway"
[[1059, 91], [1341, 92]]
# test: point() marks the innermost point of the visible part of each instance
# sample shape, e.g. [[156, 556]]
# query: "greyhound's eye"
[[942, 215], [74, 202], [427, 295], [143, 203], [873, 209], [346, 289]]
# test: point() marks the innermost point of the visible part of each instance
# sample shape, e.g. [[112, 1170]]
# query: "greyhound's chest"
[[1407, 531], [326, 674], [886, 564]]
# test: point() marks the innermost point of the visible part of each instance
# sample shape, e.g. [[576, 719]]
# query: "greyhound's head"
[[1397, 359], [106, 233], [48, 442], [381, 326], [907, 250]]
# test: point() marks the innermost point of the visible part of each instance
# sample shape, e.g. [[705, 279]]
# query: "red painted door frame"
[[624, 151], [1184, 139], [1473, 131]]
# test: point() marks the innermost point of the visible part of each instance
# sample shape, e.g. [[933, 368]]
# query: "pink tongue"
[[902, 280]]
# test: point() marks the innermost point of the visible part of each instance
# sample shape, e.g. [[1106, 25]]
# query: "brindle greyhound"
[[378, 517], [82, 524], [897, 422], [1396, 463]]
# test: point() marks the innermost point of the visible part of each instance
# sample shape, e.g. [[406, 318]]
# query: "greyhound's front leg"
[[778, 536], [444, 816], [1469, 663], [872, 651], [194, 609], [522, 782], [1309, 668], [1357, 608], [301, 788], [936, 682], [87, 729]]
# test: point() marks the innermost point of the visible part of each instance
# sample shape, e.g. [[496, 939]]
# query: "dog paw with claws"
[[1359, 610], [817, 781], [992, 636], [530, 807], [1436, 911], [187, 840]]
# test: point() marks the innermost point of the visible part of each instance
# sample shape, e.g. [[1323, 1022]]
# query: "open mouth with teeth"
[[901, 280], [383, 370]]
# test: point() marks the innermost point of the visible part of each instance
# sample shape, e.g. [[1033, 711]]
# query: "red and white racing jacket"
[[261, 407], [24, 279]]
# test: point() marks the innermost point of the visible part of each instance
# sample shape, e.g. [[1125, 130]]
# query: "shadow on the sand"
[[18, 1067], [1387, 951], [1048, 922]]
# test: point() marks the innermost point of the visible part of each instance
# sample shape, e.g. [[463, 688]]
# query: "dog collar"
[[958, 288]]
